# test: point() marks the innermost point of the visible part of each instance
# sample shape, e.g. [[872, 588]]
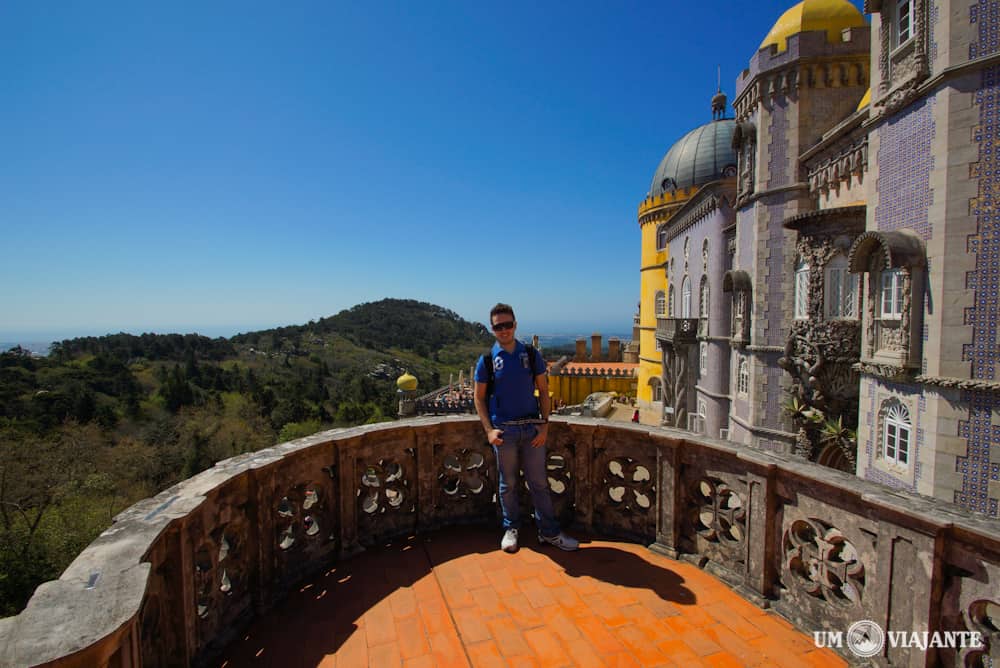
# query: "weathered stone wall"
[[179, 574]]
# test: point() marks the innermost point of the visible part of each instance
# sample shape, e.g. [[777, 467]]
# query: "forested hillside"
[[105, 421]]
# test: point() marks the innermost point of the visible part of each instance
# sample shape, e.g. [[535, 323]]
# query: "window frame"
[[893, 289], [686, 297], [898, 39], [897, 433], [661, 237], [660, 304], [801, 292], [743, 377], [703, 298], [841, 289], [703, 359]]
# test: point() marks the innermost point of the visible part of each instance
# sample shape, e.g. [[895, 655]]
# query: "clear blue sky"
[[226, 166]]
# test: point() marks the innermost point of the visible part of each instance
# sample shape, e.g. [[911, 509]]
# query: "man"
[[516, 430]]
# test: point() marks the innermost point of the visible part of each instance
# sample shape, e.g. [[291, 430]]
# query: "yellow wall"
[[574, 389], [653, 277]]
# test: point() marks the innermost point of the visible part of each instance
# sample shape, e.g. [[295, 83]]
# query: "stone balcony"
[[179, 577], [677, 331]]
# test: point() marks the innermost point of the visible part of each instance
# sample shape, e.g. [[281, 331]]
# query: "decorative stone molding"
[[850, 161], [709, 198], [745, 145], [896, 374], [738, 282], [890, 343], [901, 69], [959, 383], [821, 562]]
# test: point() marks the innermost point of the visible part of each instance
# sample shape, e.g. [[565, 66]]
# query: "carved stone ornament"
[[887, 371], [823, 563], [901, 67], [463, 474], [629, 486], [718, 514], [385, 489], [983, 616], [827, 176]]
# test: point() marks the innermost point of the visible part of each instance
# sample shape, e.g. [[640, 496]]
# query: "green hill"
[[105, 421]]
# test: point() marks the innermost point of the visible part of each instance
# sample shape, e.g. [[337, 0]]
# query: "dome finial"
[[719, 101]]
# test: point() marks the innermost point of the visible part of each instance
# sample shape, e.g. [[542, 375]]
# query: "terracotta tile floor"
[[452, 598]]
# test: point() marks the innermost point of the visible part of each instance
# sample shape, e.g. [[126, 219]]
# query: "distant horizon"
[[224, 331]]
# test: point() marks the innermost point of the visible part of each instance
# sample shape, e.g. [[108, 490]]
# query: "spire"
[[719, 101]]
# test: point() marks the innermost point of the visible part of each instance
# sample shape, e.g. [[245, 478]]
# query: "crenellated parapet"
[[656, 208], [177, 575], [810, 61]]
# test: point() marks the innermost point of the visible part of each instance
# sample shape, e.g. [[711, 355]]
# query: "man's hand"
[[495, 436], [543, 433]]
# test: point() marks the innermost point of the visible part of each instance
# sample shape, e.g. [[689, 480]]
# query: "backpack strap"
[[531, 360], [490, 376]]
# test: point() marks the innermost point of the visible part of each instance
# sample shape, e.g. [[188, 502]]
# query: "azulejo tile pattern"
[[905, 161], [985, 15], [984, 281]]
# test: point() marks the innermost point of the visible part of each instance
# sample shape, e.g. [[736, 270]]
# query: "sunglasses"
[[501, 326]]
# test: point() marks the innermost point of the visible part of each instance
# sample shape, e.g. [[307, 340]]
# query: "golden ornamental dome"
[[829, 15], [865, 101], [407, 382]]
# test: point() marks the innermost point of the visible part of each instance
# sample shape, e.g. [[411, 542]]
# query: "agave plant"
[[802, 413], [834, 431]]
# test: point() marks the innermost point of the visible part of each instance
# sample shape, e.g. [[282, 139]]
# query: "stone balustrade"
[[178, 575]]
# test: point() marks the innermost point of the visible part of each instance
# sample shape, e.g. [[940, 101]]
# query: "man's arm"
[[493, 435], [544, 405]]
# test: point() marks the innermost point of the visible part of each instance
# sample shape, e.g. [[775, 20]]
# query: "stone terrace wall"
[[179, 574]]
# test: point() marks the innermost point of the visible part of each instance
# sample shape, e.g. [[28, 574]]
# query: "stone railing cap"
[[59, 622]]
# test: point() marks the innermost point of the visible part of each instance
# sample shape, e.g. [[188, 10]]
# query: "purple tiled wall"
[[985, 15], [984, 281], [905, 162]]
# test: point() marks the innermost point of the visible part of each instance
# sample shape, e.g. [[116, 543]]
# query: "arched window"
[[661, 237], [841, 289], [743, 378], [896, 431], [671, 302], [802, 290], [654, 384], [660, 304], [686, 298], [703, 301]]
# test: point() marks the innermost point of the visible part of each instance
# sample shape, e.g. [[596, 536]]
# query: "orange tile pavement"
[[452, 598]]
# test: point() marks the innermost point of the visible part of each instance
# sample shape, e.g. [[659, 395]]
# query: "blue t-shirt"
[[513, 385]]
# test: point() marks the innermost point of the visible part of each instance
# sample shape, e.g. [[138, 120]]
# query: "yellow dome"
[[829, 15], [865, 101], [406, 382]]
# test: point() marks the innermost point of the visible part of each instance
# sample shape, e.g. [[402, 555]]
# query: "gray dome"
[[703, 155]]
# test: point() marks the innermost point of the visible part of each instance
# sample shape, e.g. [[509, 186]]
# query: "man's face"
[[504, 326]]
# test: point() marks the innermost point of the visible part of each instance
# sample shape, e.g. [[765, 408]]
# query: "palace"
[[820, 271]]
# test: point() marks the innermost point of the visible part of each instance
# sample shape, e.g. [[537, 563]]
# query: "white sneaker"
[[509, 541], [561, 540]]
